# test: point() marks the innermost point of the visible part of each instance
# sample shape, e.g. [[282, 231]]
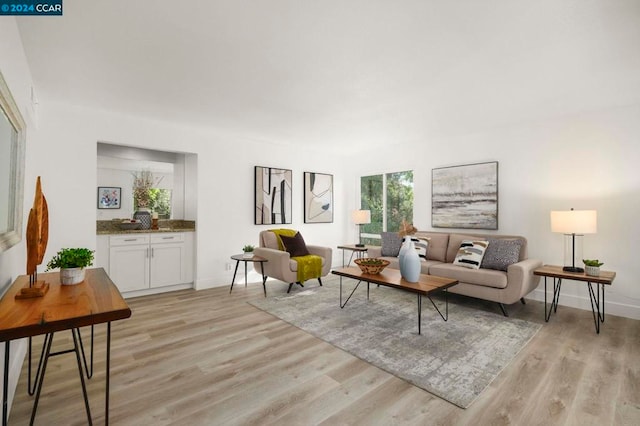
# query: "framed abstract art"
[[465, 196], [272, 196], [109, 197], [318, 198]]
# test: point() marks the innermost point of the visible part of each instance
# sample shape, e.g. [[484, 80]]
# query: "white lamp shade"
[[360, 217], [574, 221]]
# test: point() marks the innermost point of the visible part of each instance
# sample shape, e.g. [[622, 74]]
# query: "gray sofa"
[[503, 287]]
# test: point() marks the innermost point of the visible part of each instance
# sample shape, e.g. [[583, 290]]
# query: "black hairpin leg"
[[5, 384], [342, 305], [445, 317], [31, 386], [557, 284], [235, 271], [598, 317], [88, 370], [264, 283], [48, 340]]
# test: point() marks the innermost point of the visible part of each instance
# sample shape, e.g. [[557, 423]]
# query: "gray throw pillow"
[[391, 243], [501, 253]]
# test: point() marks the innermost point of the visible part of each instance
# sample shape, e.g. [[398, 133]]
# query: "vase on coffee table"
[[409, 261]]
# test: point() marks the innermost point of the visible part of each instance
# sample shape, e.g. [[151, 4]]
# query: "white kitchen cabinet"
[[167, 260], [139, 262]]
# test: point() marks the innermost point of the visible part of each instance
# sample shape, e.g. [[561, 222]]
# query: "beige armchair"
[[280, 265]]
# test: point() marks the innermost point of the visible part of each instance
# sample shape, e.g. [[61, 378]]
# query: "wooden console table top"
[[605, 277], [96, 300]]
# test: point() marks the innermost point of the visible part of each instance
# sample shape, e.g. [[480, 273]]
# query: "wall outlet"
[[227, 266]]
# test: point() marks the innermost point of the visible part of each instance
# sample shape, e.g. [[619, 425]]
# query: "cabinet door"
[[167, 262], [129, 267]]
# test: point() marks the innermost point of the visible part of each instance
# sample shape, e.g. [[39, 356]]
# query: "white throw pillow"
[[470, 254]]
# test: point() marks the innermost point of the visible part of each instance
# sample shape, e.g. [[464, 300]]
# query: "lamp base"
[[359, 245], [573, 269]]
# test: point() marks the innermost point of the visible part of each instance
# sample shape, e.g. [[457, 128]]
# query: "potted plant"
[[248, 250], [592, 267], [71, 262]]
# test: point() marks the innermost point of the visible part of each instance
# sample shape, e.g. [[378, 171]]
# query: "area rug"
[[455, 360]]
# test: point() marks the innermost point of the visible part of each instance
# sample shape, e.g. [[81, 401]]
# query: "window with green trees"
[[389, 197]]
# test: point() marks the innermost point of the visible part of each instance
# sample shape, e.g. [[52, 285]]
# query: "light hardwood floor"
[[210, 358]]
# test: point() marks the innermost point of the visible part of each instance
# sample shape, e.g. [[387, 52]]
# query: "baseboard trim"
[[583, 302]]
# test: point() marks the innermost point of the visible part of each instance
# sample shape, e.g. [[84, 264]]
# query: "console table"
[[64, 307], [556, 272]]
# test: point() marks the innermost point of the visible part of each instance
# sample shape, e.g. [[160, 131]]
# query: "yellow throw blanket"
[[309, 266]]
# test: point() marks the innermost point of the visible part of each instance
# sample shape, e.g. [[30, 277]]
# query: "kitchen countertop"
[[111, 227]]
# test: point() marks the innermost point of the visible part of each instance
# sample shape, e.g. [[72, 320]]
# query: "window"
[[390, 199]]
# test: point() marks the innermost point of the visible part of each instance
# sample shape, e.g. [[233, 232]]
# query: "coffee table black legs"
[[445, 317], [342, 305]]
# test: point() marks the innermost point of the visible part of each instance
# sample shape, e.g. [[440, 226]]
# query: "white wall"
[[66, 141], [586, 161], [15, 70]]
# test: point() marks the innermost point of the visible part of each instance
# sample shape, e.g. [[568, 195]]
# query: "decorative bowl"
[[129, 225], [371, 265]]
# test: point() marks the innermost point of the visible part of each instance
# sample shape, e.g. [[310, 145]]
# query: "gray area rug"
[[455, 360]]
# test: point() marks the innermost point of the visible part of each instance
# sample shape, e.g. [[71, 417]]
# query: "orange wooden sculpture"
[[37, 238]]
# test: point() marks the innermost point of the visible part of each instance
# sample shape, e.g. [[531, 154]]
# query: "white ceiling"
[[339, 72]]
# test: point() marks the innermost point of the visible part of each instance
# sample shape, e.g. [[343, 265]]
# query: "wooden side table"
[[556, 272], [96, 300], [240, 258], [358, 251]]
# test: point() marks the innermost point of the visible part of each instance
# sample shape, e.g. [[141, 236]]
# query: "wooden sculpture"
[[37, 238]]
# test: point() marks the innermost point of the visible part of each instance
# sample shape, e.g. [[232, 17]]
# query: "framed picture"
[[465, 196], [318, 198], [109, 197], [272, 196]]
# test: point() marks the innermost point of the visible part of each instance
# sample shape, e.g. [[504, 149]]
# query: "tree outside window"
[[389, 197]]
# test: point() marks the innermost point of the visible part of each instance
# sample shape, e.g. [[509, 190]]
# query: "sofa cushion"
[[391, 243], [438, 243], [501, 253], [471, 253], [295, 245], [482, 277]]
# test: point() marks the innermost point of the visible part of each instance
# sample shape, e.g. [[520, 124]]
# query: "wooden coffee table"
[[426, 286]]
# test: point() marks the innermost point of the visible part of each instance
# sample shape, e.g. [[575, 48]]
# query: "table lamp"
[[361, 217], [573, 223]]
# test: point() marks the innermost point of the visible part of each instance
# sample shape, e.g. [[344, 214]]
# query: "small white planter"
[[71, 276], [592, 271], [248, 254]]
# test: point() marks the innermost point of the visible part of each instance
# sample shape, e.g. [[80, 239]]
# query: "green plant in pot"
[[592, 267], [71, 262], [248, 250]]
